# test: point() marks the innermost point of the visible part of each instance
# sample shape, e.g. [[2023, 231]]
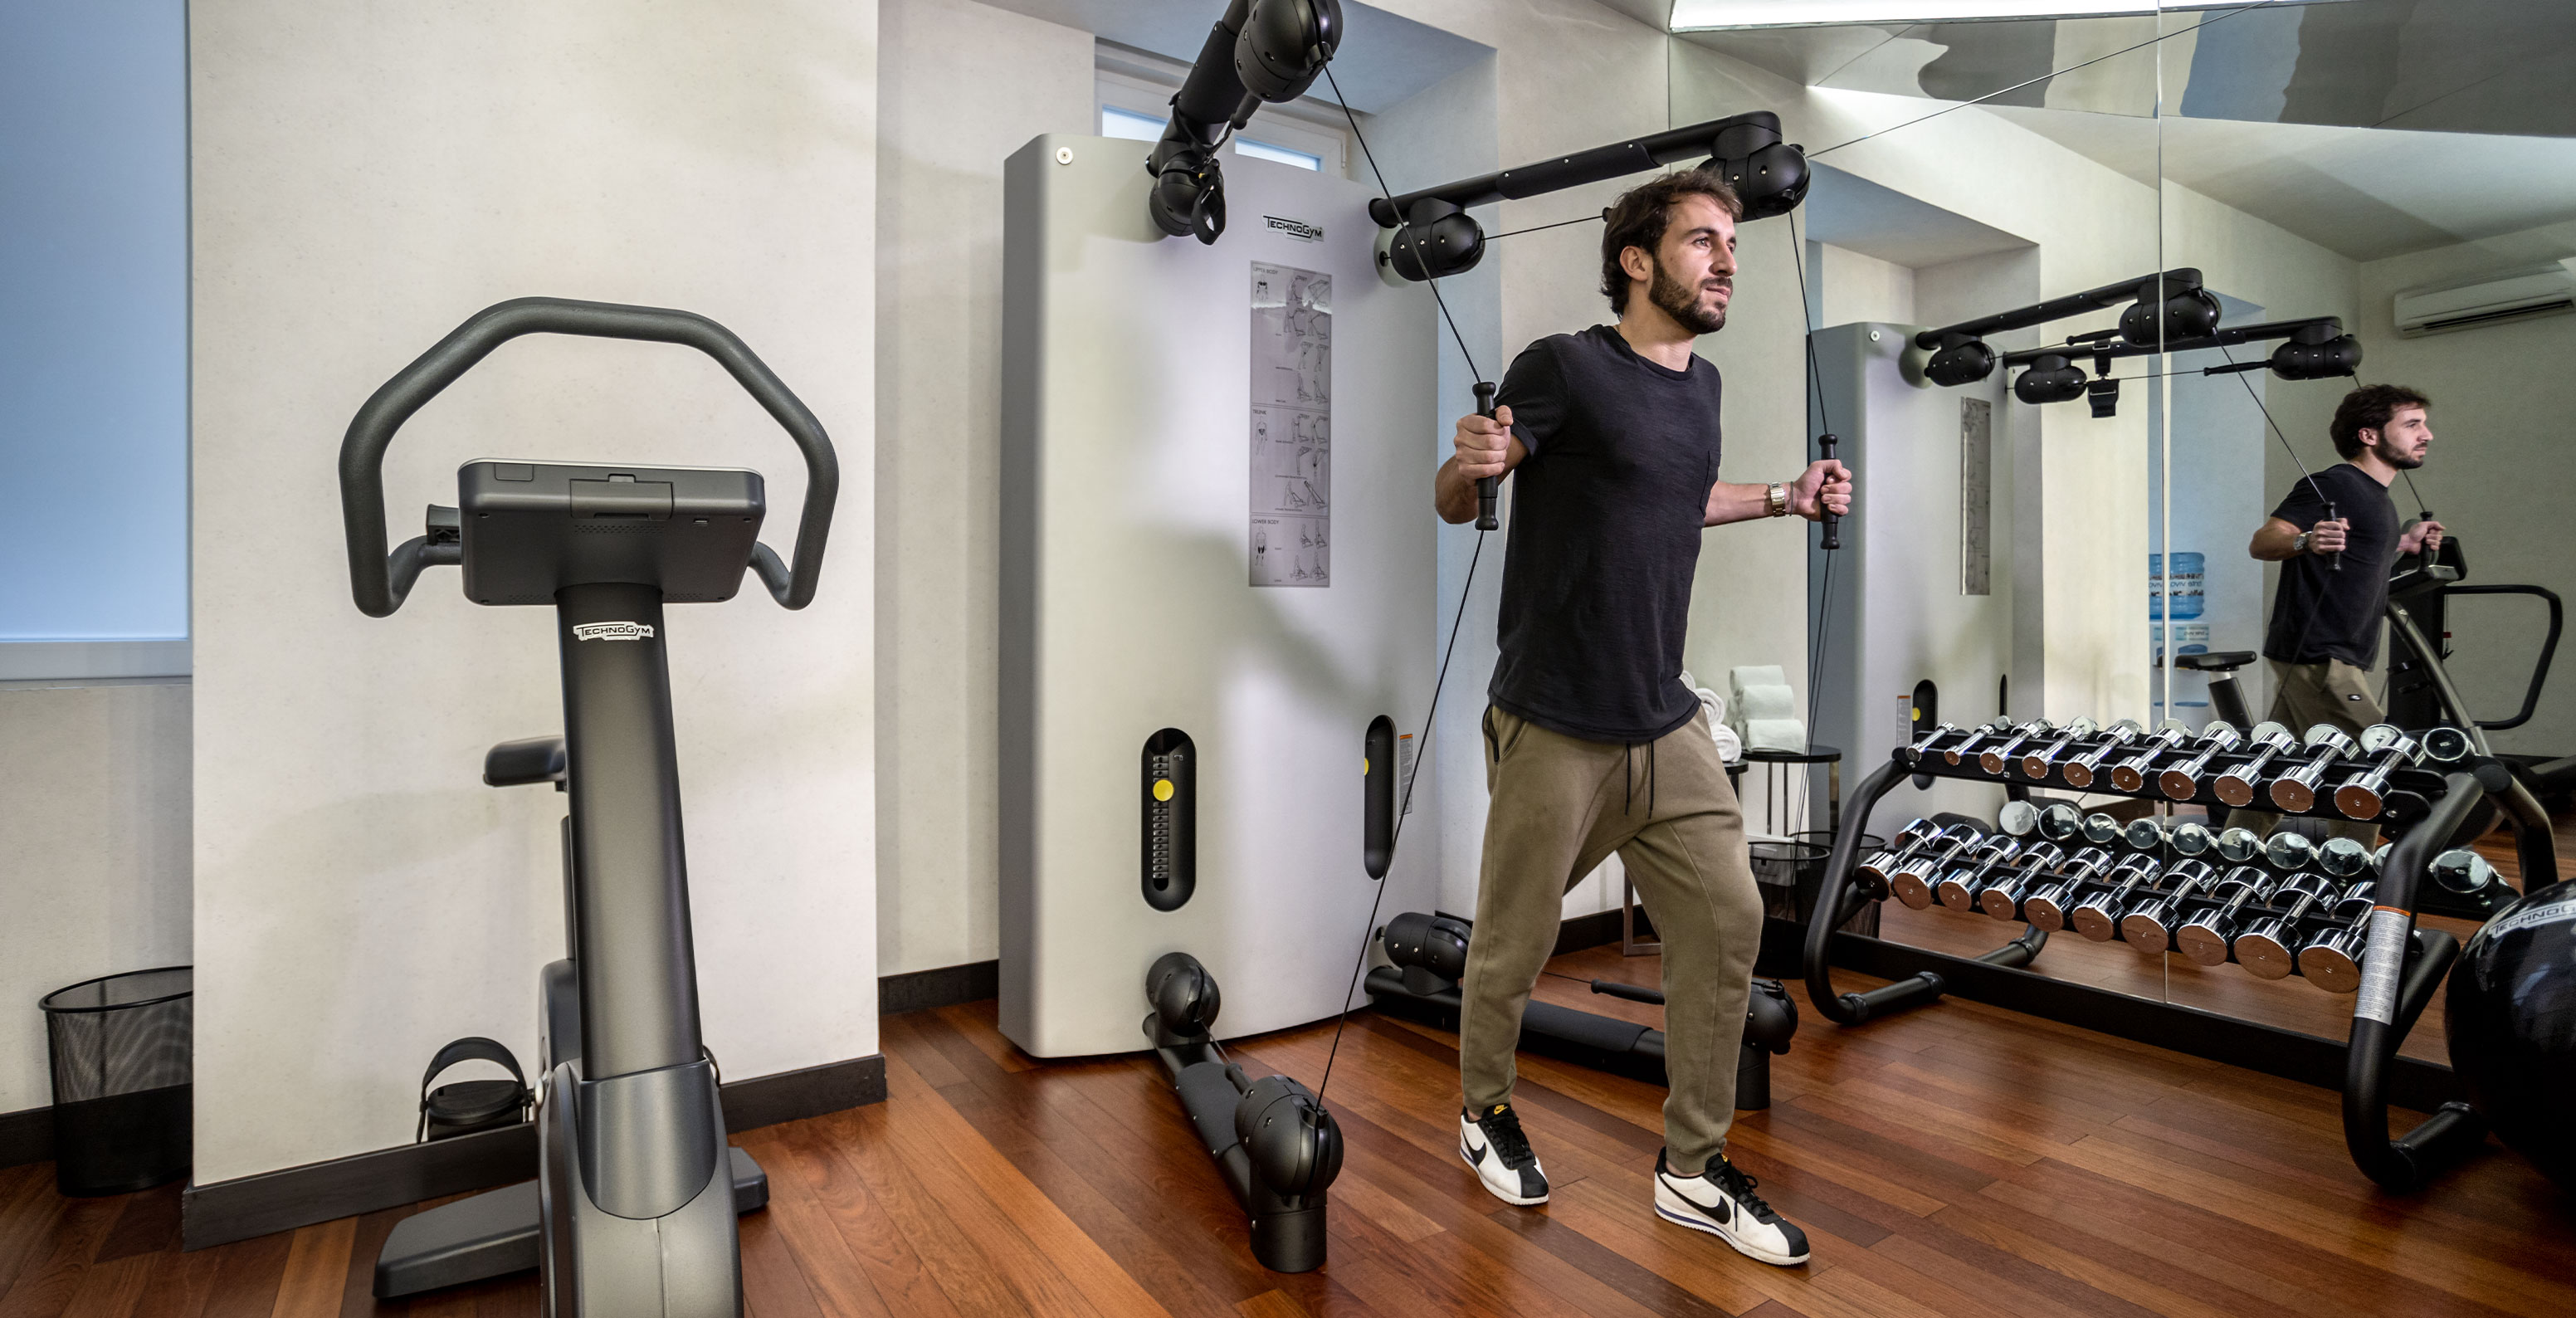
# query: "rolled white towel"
[[1730, 747], [1764, 702], [1751, 675], [1775, 734]]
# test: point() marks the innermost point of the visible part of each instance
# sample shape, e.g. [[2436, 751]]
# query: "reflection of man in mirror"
[[1593, 744], [2324, 635]]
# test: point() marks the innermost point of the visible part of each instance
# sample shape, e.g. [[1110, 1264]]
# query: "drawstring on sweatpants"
[[1628, 782]]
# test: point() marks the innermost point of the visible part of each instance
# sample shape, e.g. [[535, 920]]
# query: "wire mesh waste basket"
[[121, 1064], [1812, 881]]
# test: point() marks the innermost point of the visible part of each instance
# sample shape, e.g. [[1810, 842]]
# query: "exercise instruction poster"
[[1292, 426]]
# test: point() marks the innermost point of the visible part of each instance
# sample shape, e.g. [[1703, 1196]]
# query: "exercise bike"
[[636, 1189]]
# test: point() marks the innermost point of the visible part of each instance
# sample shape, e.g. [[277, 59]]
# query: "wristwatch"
[[1775, 500], [2299, 543]]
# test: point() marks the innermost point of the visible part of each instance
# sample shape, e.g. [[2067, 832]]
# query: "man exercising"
[[1614, 434], [2325, 622]]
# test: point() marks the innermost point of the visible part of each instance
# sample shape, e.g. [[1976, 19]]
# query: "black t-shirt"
[[2338, 612], [1606, 518]]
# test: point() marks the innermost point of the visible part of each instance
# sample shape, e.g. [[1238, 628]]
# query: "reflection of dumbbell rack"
[[2400, 965]]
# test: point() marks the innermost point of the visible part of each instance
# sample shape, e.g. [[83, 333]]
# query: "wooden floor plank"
[[1956, 1160], [316, 1276]]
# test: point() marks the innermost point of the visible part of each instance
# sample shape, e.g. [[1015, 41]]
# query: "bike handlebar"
[[377, 579]]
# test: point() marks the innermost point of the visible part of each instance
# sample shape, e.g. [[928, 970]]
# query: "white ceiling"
[[2367, 193], [1851, 212]]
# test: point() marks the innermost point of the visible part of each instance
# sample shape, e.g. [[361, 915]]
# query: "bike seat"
[[529, 760], [2216, 661]]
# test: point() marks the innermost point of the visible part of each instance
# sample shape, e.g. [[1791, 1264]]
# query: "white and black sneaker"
[[1721, 1202], [1494, 1145]]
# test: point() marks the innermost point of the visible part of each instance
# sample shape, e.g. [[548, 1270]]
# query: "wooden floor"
[[1953, 1160]]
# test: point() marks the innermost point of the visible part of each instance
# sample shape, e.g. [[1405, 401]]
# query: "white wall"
[[95, 828], [364, 178], [2502, 396], [942, 137], [1854, 286]]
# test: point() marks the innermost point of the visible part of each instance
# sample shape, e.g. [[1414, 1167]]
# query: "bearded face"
[[1699, 308]]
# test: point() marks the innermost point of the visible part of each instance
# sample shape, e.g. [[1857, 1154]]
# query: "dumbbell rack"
[[2402, 964]]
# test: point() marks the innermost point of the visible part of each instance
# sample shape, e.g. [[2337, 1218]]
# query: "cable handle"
[[1832, 522], [2333, 516], [1488, 488]]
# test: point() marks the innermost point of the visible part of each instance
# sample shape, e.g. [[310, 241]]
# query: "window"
[[1115, 122], [94, 341], [1135, 91]]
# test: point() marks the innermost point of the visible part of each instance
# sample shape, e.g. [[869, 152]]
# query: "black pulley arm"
[[380, 581], [1770, 176], [1488, 488], [1260, 51], [2179, 282]]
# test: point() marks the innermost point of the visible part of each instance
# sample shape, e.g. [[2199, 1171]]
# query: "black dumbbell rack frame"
[[2403, 965]]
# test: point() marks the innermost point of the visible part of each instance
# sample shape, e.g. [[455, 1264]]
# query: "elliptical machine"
[[636, 1189]]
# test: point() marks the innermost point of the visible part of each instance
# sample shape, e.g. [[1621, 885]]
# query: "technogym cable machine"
[[635, 1186]]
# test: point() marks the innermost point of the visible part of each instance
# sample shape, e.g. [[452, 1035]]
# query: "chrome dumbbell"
[[2143, 834], [2289, 852], [1923, 745], [2150, 927], [2036, 867], [2047, 903], [2061, 823], [2019, 818], [2191, 838], [2098, 917], [2206, 937], [1872, 869], [2183, 780], [2006, 882], [2239, 845], [2296, 791], [1918, 889], [1934, 851], [1998, 757], [2268, 947], [2463, 871], [2343, 858], [2079, 772], [2037, 762], [2365, 796], [1957, 754], [2130, 775], [2267, 741], [2332, 959]]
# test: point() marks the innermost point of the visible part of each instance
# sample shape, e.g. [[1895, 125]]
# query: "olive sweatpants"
[[2335, 693], [1561, 805]]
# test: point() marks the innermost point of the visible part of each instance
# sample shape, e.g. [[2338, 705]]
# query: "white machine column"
[[1217, 568]]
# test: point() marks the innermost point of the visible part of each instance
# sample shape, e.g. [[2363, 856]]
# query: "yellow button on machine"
[[1162, 789]]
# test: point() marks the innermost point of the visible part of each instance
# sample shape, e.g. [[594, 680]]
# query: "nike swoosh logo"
[[1723, 1209], [1475, 1150]]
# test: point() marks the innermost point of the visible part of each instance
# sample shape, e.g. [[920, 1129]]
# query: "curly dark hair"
[[1642, 213], [2369, 408]]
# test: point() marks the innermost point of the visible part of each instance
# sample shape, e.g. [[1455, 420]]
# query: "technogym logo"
[[1297, 229], [611, 631]]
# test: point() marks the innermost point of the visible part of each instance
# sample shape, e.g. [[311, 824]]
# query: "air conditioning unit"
[[2493, 300]]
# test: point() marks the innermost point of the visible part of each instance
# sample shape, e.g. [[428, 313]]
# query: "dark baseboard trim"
[[291, 1197], [921, 990], [27, 1136], [766, 1100]]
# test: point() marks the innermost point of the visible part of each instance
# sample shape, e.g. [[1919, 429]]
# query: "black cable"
[[1515, 233], [2313, 488], [1825, 589], [1368, 928], [1401, 223], [1466, 591]]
